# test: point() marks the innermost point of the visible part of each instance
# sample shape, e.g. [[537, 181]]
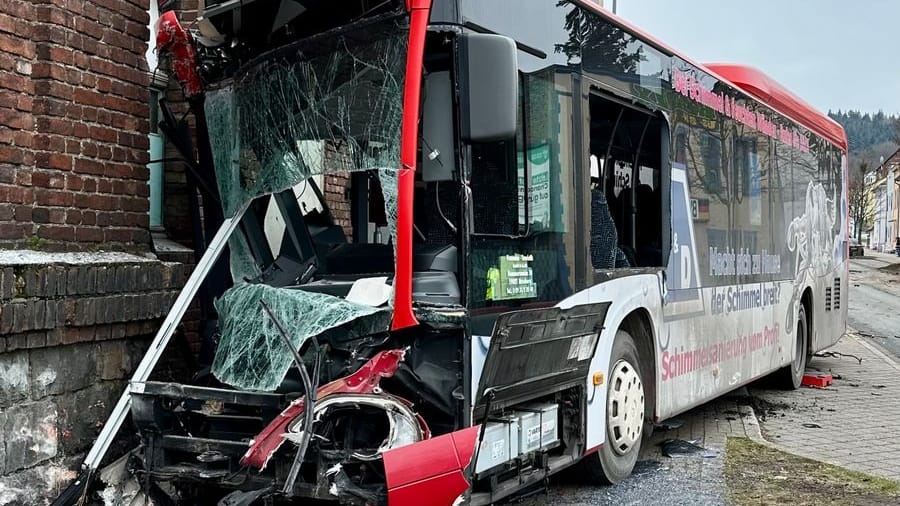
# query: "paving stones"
[[852, 423], [694, 479]]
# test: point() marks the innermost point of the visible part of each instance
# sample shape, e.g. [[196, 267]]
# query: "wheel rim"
[[624, 407]]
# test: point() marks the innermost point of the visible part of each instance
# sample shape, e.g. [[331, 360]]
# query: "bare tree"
[[862, 205]]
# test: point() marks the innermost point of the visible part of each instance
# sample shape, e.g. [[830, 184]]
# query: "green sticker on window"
[[514, 279]]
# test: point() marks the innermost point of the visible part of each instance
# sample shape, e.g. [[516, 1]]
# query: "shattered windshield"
[[342, 92], [324, 107]]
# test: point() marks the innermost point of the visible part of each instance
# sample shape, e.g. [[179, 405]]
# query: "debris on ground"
[[758, 474], [670, 424], [812, 426], [680, 447], [835, 354], [817, 380]]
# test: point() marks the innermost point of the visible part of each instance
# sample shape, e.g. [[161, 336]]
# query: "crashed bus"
[[468, 244]]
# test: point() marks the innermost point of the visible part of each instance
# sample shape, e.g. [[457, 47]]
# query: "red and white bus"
[[496, 238]]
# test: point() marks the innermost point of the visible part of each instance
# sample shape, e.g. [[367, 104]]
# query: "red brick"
[[73, 146], [16, 119], [17, 46], [50, 142], [57, 215], [16, 82], [73, 216], [54, 125], [12, 230], [23, 213], [53, 197], [89, 166], [117, 234], [88, 234], [52, 160], [74, 182], [103, 134], [10, 154], [56, 232]]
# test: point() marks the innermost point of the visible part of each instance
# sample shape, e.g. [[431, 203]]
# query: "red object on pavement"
[[364, 381], [817, 380], [430, 472]]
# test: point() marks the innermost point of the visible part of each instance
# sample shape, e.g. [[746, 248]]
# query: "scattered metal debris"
[[835, 354]]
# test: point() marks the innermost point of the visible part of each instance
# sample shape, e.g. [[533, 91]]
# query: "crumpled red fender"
[[364, 381]]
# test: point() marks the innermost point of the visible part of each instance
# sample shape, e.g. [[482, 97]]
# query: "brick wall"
[[73, 124], [80, 292], [72, 329]]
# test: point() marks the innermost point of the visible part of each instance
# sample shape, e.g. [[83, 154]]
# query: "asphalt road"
[[874, 303]]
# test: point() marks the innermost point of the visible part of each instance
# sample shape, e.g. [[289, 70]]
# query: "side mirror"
[[489, 82]]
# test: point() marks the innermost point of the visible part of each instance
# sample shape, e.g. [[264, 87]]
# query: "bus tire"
[[626, 405], [790, 377]]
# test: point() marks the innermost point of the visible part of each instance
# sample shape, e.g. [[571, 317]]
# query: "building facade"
[[82, 286], [884, 185]]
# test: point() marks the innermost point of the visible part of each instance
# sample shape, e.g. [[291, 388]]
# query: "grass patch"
[[757, 474]]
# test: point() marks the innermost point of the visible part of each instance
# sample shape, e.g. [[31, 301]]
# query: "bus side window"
[[626, 197]]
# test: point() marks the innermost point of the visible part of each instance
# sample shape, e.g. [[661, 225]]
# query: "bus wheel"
[[625, 408], [791, 376]]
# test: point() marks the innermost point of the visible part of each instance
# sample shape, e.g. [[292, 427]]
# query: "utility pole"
[[614, 6]]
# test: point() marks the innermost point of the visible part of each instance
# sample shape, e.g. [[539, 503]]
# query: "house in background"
[[885, 189]]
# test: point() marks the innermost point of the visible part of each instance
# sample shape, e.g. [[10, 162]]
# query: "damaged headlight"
[[363, 426]]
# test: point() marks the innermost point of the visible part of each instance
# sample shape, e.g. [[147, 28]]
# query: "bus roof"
[[754, 82], [749, 80]]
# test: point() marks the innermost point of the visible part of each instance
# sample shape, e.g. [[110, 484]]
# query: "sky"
[[835, 54]]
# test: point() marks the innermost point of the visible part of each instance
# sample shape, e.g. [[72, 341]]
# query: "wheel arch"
[[806, 300], [639, 324]]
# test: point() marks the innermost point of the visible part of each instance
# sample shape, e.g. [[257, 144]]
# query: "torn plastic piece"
[[817, 380], [370, 291], [349, 492], [122, 487], [251, 354], [680, 447], [365, 380], [430, 472]]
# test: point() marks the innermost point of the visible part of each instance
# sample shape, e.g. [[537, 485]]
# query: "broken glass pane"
[[252, 354], [342, 91], [345, 90]]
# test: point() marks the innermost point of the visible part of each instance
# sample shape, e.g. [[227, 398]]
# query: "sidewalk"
[[885, 257], [853, 423]]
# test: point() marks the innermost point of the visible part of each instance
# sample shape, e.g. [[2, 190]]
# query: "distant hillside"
[[870, 136]]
